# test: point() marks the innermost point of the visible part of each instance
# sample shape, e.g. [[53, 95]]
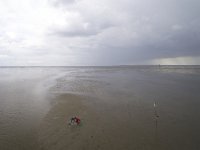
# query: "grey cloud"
[[60, 3], [105, 32], [169, 44], [80, 30], [86, 22]]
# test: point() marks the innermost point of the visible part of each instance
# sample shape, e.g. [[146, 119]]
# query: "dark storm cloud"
[[184, 43], [174, 26]]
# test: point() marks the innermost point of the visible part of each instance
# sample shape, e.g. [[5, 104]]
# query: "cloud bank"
[[106, 32]]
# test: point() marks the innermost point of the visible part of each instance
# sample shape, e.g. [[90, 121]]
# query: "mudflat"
[[115, 105], [102, 127]]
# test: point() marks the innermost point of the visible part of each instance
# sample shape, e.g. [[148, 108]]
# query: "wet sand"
[[115, 105], [102, 127], [56, 133]]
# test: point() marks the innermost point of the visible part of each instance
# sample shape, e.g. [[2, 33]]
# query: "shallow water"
[[122, 92]]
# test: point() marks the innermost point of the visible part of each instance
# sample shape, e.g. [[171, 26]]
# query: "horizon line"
[[92, 65]]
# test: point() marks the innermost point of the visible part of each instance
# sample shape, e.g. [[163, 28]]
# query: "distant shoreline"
[[173, 66]]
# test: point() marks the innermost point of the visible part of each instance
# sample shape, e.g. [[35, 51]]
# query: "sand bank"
[[105, 127], [54, 131]]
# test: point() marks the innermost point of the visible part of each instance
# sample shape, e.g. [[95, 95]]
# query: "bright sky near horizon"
[[99, 32]]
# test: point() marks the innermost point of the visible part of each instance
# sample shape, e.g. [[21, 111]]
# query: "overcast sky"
[[99, 32]]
